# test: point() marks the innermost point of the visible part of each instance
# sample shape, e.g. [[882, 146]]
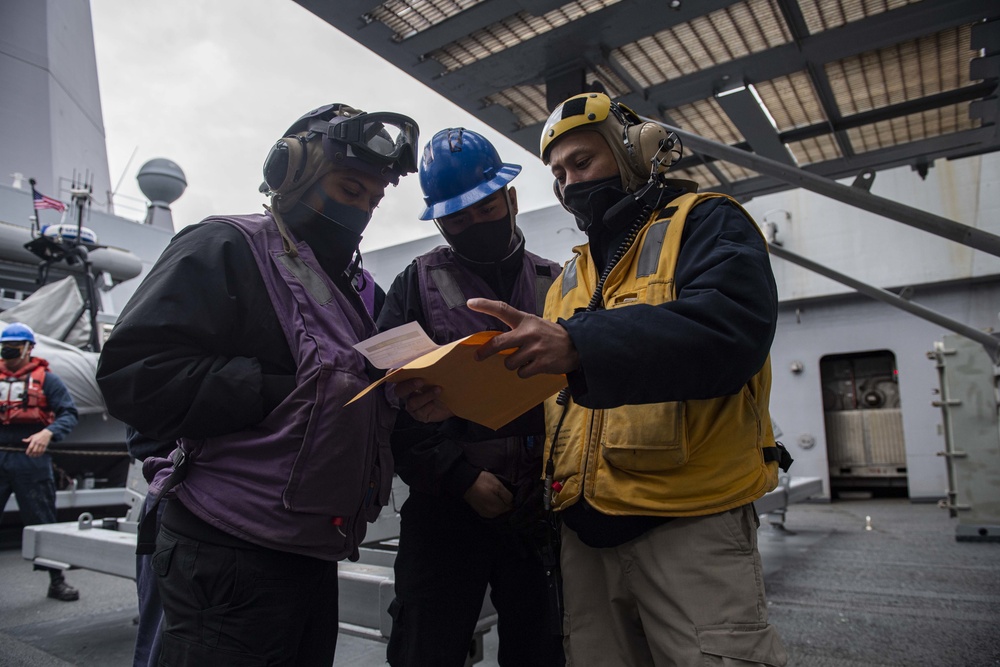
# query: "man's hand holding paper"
[[482, 389], [539, 346]]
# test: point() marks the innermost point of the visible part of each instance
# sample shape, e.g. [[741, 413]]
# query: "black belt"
[[148, 525]]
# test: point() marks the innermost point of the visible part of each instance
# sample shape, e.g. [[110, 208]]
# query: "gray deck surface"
[[904, 594]]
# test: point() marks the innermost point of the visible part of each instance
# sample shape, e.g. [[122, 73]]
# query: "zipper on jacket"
[[591, 447]]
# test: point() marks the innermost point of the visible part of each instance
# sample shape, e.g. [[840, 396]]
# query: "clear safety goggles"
[[383, 138]]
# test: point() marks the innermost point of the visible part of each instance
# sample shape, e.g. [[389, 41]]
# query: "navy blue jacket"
[[708, 342]]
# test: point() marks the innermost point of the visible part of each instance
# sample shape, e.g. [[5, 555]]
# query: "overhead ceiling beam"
[[969, 93], [529, 61], [526, 62], [949, 98], [792, 12], [832, 45], [618, 20], [615, 26], [908, 215], [960, 144], [937, 101], [461, 25], [594, 38], [750, 119]]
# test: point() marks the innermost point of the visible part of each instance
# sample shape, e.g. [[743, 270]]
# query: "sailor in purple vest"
[[238, 346], [471, 516]]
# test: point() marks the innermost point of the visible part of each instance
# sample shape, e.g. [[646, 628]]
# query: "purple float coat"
[[445, 285], [309, 477]]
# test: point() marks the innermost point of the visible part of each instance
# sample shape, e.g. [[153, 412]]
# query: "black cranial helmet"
[[381, 144]]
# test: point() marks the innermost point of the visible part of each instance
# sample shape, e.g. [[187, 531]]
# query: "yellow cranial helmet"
[[577, 111], [633, 142]]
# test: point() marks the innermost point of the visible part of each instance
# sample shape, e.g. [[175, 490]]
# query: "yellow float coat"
[[684, 458]]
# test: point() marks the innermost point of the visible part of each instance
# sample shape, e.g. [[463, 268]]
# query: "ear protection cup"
[[285, 163], [645, 141]]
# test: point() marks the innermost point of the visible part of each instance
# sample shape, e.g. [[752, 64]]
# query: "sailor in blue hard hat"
[[16, 340], [465, 183], [471, 519]]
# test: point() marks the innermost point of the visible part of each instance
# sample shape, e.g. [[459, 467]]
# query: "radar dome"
[[161, 180]]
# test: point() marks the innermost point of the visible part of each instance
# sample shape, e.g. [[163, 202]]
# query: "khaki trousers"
[[689, 592]]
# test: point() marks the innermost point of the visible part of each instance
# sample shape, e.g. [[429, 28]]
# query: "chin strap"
[[355, 266], [286, 239]]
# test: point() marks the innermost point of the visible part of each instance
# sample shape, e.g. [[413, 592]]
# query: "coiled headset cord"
[[596, 299]]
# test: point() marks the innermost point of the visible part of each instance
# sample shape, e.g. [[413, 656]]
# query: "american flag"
[[41, 201]]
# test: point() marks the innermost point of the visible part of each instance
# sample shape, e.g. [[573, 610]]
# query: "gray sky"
[[213, 84]]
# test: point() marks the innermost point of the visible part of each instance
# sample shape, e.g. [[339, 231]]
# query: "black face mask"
[[333, 233], [589, 201], [352, 219], [485, 241], [9, 353]]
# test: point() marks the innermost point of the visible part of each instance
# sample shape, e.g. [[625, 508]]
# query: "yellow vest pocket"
[[645, 438]]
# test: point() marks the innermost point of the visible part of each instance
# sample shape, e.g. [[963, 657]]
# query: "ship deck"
[[903, 593]]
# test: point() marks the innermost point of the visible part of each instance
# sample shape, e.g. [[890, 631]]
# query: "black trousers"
[[447, 556], [148, 631], [228, 605]]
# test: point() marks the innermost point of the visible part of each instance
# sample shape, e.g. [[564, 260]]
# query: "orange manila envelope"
[[485, 392]]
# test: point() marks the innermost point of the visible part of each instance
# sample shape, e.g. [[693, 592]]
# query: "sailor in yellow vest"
[[656, 451]]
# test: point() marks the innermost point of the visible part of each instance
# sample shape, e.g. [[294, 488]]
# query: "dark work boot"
[[60, 590]]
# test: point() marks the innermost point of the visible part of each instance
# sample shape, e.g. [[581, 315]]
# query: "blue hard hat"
[[458, 168], [17, 332]]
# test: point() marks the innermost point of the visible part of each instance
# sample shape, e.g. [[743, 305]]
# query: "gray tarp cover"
[[54, 311]]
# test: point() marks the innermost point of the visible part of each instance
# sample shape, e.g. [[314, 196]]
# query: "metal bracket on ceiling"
[[922, 166], [864, 180]]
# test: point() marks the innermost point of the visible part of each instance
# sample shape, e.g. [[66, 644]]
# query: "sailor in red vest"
[[35, 409]]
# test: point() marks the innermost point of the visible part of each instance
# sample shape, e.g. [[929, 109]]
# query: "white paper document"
[[486, 391], [396, 347]]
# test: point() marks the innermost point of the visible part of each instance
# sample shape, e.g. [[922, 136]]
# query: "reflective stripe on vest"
[[451, 289]]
